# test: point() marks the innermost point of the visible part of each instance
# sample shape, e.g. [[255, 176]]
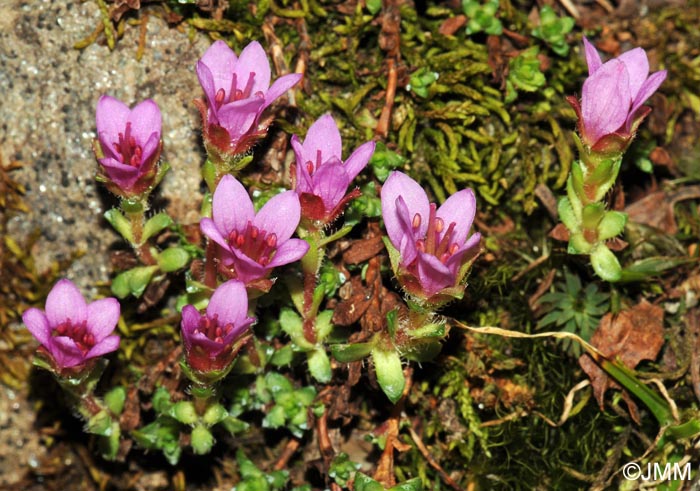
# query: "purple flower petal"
[[280, 86], [592, 57], [289, 252], [454, 262], [209, 228], [280, 215], [111, 116], [232, 208], [358, 159], [253, 59], [102, 317], [229, 302], [124, 176], [65, 352], [65, 302], [406, 243], [323, 136], [107, 345], [304, 183], [398, 185], [239, 117], [330, 184], [433, 275], [215, 70], [459, 209], [145, 120], [190, 322], [645, 92], [247, 269], [606, 100], [637, 66], [37, 324]]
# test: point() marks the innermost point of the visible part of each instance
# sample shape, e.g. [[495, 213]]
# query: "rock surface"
[[49, 92]]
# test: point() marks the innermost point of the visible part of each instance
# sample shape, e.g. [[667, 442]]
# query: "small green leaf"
[[346, 353], [184, 412], [155, 225], [387, 365], [320, 365], [202, 440], [120, 224], [133, 281], [172, 259], [605, 264], [612, 225], [114, 400], [567, 215], [100, 424], [214, 414]]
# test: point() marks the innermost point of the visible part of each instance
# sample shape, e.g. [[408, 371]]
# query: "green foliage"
[[253, 479], [524, 74], [553, 30], [572, 308], [285, 406], [482, 17], [342, 469]]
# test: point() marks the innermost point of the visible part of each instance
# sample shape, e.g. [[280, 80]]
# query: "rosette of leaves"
[[572, 308], [482, 17], [524, 74], [553, 30]]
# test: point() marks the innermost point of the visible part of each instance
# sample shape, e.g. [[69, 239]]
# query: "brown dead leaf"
[[631, 336], [656, 208], [452, 25], [362, 250]]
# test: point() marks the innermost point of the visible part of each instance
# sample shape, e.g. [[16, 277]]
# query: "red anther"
[[219, 97], [219, 340], [454, 248], [61, 329], [420, 245], [271, 240], [310, 167], [445, 257], [263, 261], [228, 328], [439, 225], [240, 240], [416, 221], [254, 232], [218, 332]]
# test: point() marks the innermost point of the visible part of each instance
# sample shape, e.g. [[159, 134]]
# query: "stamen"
[[416, 221], [439, 224], [318, 158], [431, 235], [248, 86], [444, 244], [271, 241], [420, 245], [310, 167], [254, 232], [219, 97]]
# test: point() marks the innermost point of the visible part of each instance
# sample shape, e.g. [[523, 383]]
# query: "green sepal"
[[155, 225], [387, 365], [346, 353], [201, 440], [576, 178], [114, 400], [319, 365], [605, 264], [605, 175], [432, 330], [184, 412], [568, 216], [100, 424], [163, 169], [574, 199], [120, 224], [172, 259], [392, 323], [209, 175], [394, 255], [214, 414], [133, 281], [612, 225]]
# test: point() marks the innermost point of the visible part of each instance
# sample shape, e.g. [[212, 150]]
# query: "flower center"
[[310, 165], [130, 152], [78, 333], [210, 327], [235, 93], [255, 243], [438, 239]]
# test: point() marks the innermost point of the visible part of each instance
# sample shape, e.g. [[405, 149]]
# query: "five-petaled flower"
[[611, 107], [130, 144], [71, 331], [321, 177], [253, 244], [433, 244], [209, 337], [237, 91]]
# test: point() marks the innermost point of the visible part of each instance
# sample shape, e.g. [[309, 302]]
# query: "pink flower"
[[433, 243], [611, 106], [322, 178], [72, 331], [237, 91], [209, 337], [130, 142], [253, 243]]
